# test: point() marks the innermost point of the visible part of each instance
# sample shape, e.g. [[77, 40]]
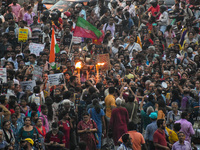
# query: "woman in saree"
[[86, 129]]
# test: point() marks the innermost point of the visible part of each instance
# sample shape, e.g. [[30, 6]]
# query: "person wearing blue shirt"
[[151, 128], [82, 12], [15, 127], [97, 114]]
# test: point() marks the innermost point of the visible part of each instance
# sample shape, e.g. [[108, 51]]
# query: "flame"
[[100, 64], [78, 65]]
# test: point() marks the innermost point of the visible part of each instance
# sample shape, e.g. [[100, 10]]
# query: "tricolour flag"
[[85, 29], [54, 49]]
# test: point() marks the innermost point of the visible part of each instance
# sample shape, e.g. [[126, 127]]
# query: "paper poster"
[[104, 58], [3, 75], [37, 73], [23, 35], [76, 39], [28, 85], [56, 79], [36, 48]]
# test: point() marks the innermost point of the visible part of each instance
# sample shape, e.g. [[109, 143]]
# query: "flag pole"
[[71, 43]]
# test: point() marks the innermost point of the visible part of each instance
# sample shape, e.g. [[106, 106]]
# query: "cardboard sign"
[[3, 75], [36, 48], [37, 73], [23, 35], [56, 79], [104, 58], [28, 85]]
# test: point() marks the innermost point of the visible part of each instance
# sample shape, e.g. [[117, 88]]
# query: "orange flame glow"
[[78, 65], [100, 64]]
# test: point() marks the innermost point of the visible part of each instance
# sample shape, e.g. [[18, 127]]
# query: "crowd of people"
[[147, 98]]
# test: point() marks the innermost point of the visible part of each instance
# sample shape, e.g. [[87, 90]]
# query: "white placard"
[[36, 48], [37, 73], [3, 75], [28, 85], [56, 79]]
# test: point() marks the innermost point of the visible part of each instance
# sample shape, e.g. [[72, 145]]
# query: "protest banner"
[[28, 85], [3, 75], [56, 79], [36, 48], [37, 73], [104, 58], [23, 35]]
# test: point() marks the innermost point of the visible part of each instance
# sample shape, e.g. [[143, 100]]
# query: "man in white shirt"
[[82, 12], [163, 20], [133, 46], [115, 47], [187, 12], [130, 8], [110, 26], [121, 3], [11, 88]]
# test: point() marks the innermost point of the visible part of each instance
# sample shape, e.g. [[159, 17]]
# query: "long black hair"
[[96, 105], [49, 103]]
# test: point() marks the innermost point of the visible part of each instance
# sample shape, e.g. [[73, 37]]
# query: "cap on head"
[[153, 115], [29, 140], [190, 50]]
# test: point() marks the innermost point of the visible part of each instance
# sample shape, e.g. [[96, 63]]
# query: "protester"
[[150, 129], [41, 130], [27, 144], [8, 134], [28, 131], [159, 136], [97, 114], [118, 121], [186, 126], [126, 143], [137, 139], [86, 129], [54, 138], [181, 143], [65, 124], [2, 141]]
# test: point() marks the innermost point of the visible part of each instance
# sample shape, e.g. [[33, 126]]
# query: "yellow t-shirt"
[[109, 101], [173, 137]]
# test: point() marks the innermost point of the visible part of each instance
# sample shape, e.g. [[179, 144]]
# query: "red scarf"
[[43, 132]]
